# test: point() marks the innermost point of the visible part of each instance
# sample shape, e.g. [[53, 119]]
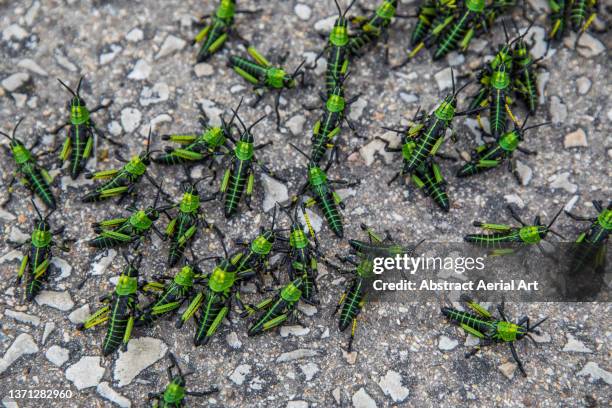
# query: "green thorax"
[[446, 110], [214, 137], [335, 103], [339, 34], [292, 293], [386, 10], [226, 10], [275, 77], [221, 280], [243, 150], [20, 153], [316, 176], [500, 79], [365, 269], [502, 57], [532, 234], [190, 203], [135, 166], [261, 245], [475, 6], [174, 393], [79, 114], [126, 285], [604, 219], [509, 141], [508, 331], [140, 220], [41, 238], [298, 239], [407, 149], [185, 276]]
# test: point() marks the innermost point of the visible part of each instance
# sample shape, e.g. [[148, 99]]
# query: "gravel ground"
[[138, 54]]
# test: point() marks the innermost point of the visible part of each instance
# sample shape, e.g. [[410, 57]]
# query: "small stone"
[[32, 66], [14, 31], [134, 35], [558, 110], [79, 315], [302, 11], [408, 98], [101, 262], [64, 267], [86, 373], [18, 236], [239, 374], [49, 328], [233, 341], [130, 119], [237, 88], [141, 353], [63, 61], [170, 45], [391, 385], [203, 69], [454, 58], [583, 85], [325, 25], [570, 204], [444, 79], [296, 124], [275, 192], [508, 369], [361, 399], [211, 111], [24, 344], [471, 341], [6, 216], [514, 199], [309, 370], [57, 300], [297, 404], [540, 6], [155, 123], [356, 109], [589, 46], [32, 13], [574, 345], [158, 93], [105, 391], [478, 45], [337, 394], [561, 180], [538, 37], [57, 355], [286, 331], [542, 80], [446, 343], [113, 51], [308, 310], [576, 138], [23, 317], [20, 99], [351, 358], [593, 370], [296, 355], [142, 69], [15, 81], [525, 174], [114, 128]]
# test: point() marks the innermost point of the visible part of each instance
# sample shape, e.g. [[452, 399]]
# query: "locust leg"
[[99, 317], [128, 330], [517, 359], [202, 393], [475, 306], [580, 218], [514, 215]]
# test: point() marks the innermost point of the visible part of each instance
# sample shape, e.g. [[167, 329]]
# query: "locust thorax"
[[185, 276], [126, 285], [79, 113], [221, 279], [446, 110], [509, 331], [475, 6], [244, 150], [297, 238], [136, 166], [292, 292], [214, 136], [339, 33], [605, 219], [335, 103], [262, 245], [20, 153], [365, 269], [408, 148], [190, 202], [387, 9], [278, 78], [175, 391], [141, 220], [316, 176], [226, 9], [41, 236], [532, 234], [500, 78], [510, 140]]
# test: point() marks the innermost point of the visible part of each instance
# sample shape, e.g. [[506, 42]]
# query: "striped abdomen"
[[219, 28], [80, 136], [435, 129], [434, 189], [450, 40], [279, 307], [33, 284], [250, 67], [236, 185], [336, 58], [184, 221], [103, 242], [38, 184], [469, 320], [358, 42], [351, 306], [420, 30], [497, 112], [530, 93], [478, 98], [212, 305], [326, 202], [329, 121], [120, 313], [578, 14], [494, 239]]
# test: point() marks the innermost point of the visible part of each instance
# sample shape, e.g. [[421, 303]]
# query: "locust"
[[215, 301], [29, 172], [577, 14], [559, 12], [525, 76], [460, 32], [36, 263], [214, 35], [239, 178], [337, 50], [493, 154], [329, 124], [123, 181], [274, 311], [502, 235], [120, 311], [301, 257], [378, 246], [481, 323], [175, 392], [79, 144], [264, 75], [199, 148], [323, 193], [431, 15], [590, 245], [123, 231], [372, 29], [582, 14], [182, 229]]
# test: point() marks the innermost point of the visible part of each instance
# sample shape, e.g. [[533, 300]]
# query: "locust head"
[[339, 34]]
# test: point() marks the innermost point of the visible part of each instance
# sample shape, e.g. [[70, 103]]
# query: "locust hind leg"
[[517, 359]]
